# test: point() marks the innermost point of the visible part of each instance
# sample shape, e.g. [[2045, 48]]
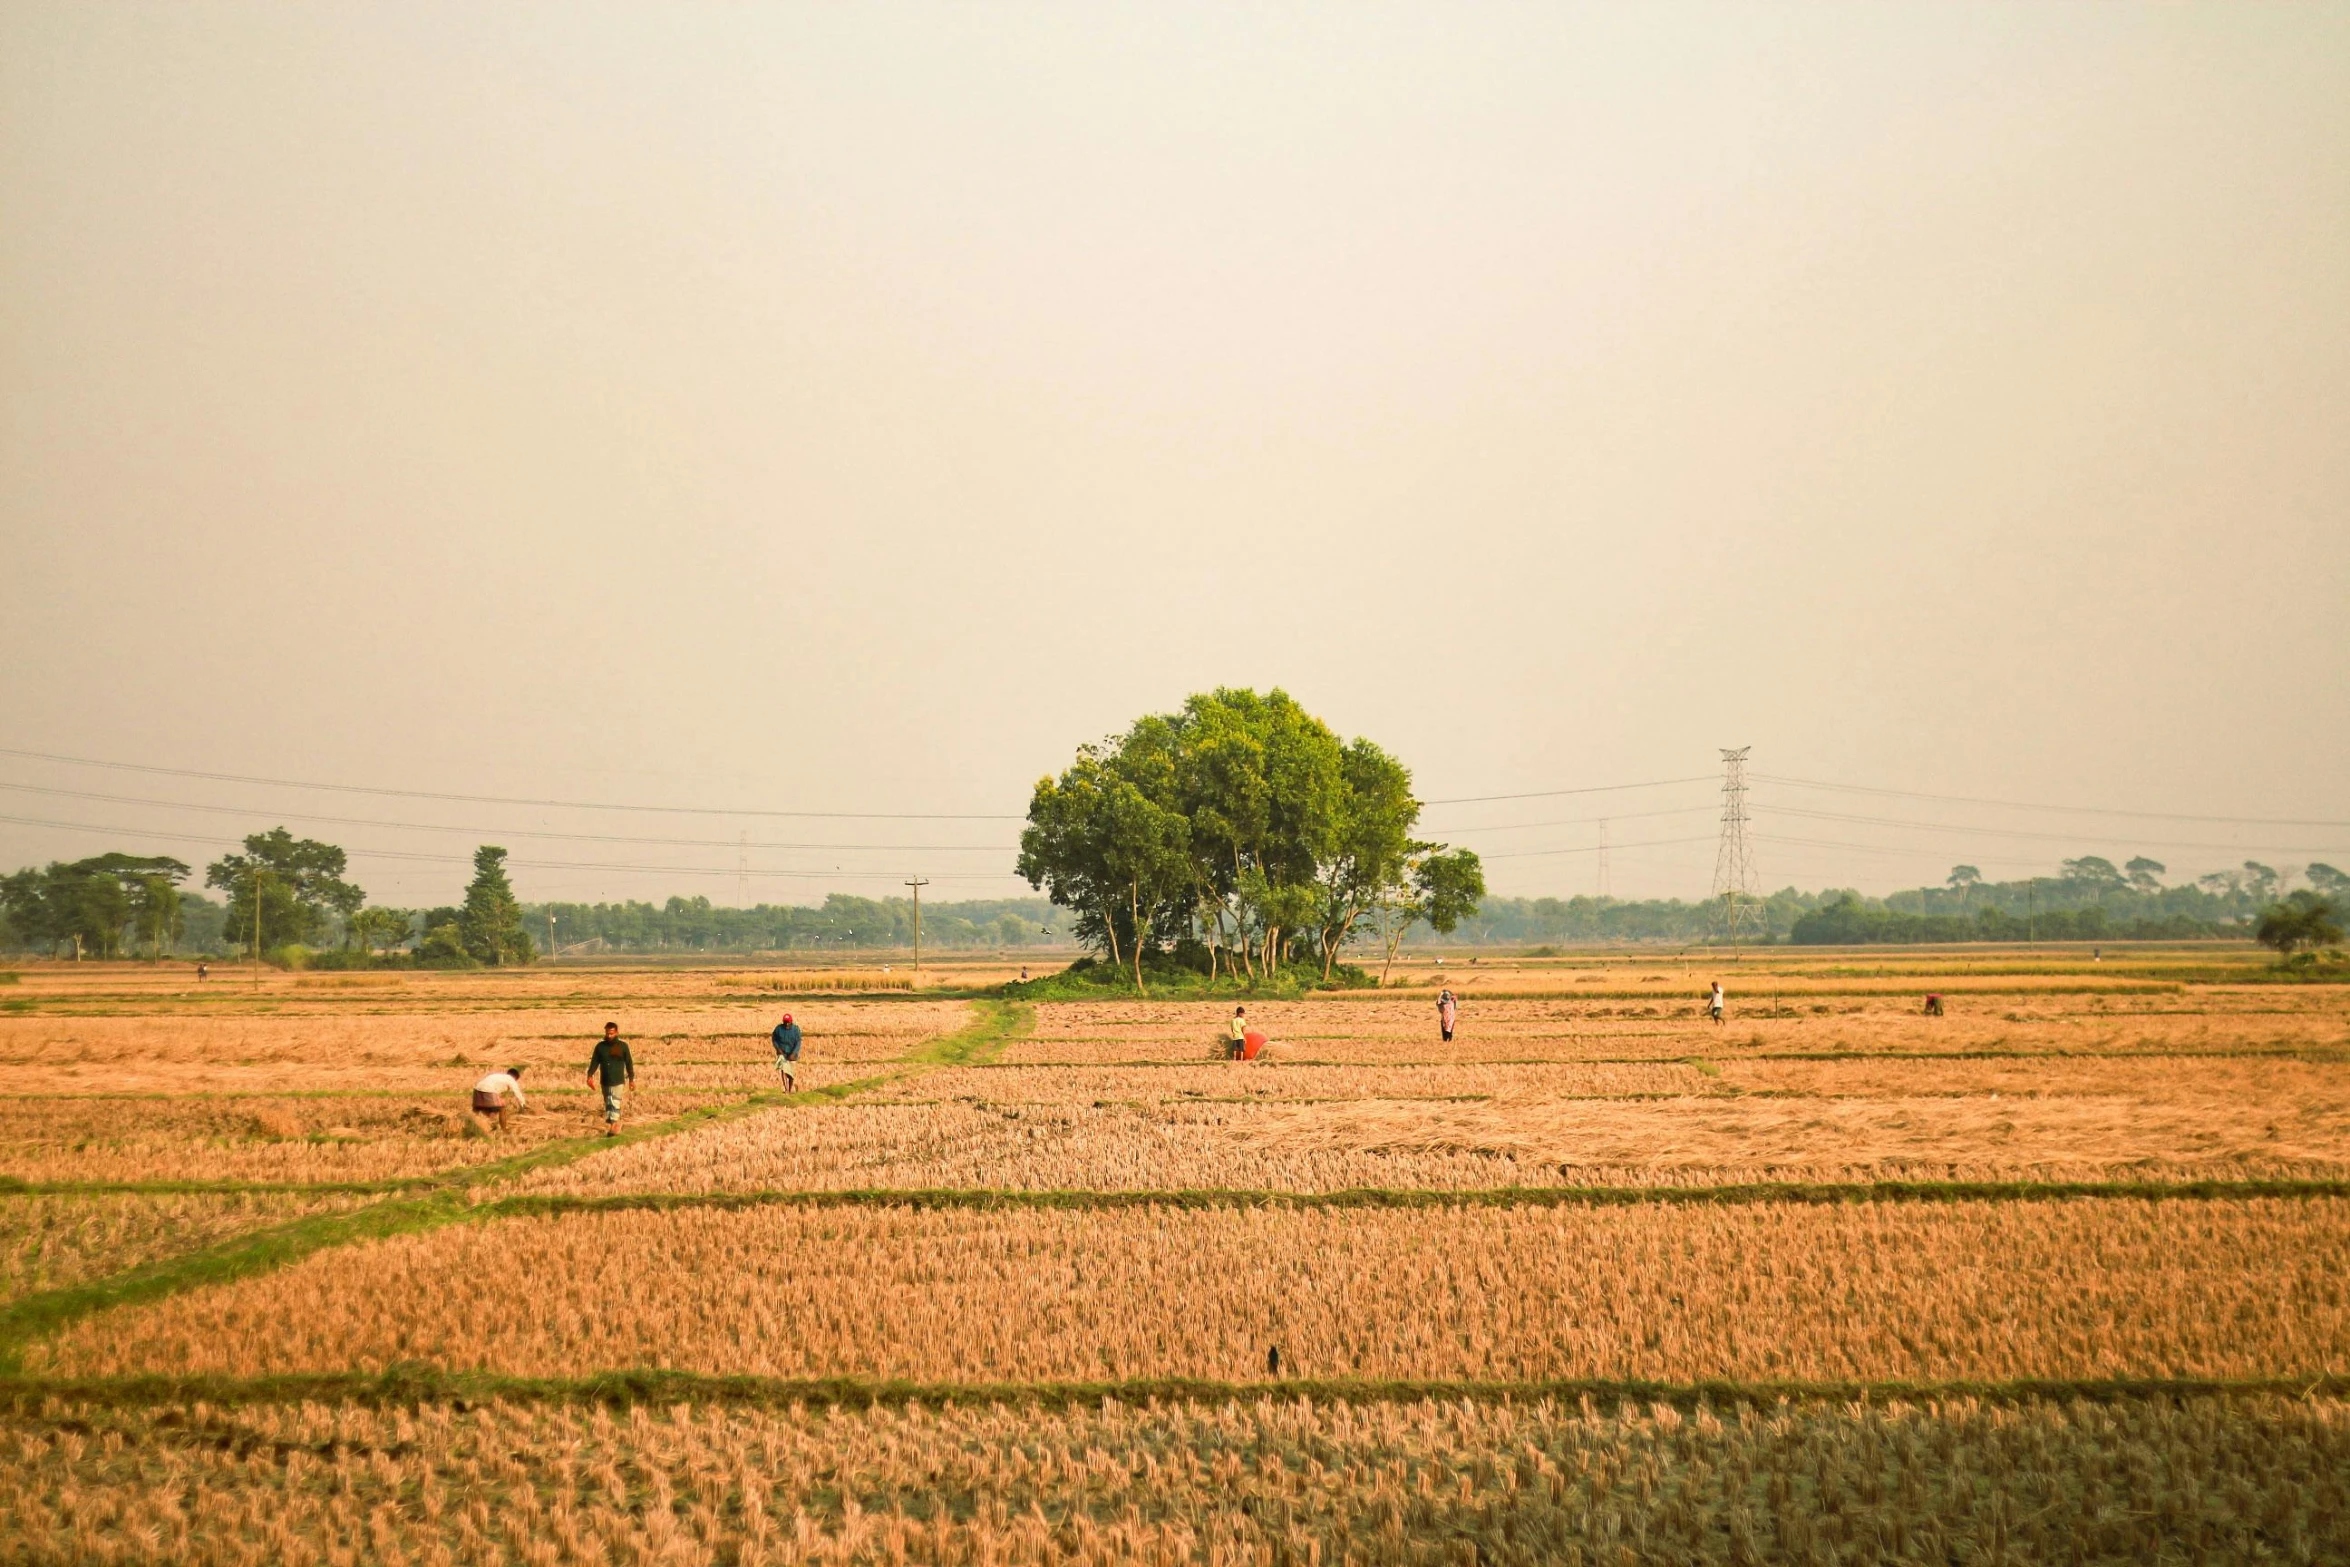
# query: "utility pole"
[[918, 883], [257, 874], [1741, 906], [550, 933]]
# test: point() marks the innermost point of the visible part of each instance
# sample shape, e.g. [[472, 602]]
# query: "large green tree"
[[283, 888], [1440, 888], [1241, 822], [490, 923]]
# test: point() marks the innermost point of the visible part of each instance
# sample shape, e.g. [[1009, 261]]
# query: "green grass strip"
[[442, 1201], [12, 1186], [1750, 1194], [410, 1386], [1729, 1052]]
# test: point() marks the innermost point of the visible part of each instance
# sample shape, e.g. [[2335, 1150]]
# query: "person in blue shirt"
[[787, 1053]]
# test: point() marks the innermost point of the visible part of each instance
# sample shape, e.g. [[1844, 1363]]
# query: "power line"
[[1544, 794], [689, 843], [2022, 805], [984, 816], [503, 799], [2057, 837], [467, 859], [1878, 848], [1648, 843], [496, 832], [1576, 821]]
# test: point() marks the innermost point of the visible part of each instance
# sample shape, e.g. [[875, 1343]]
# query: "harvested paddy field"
[[54, 1241], [1269, 1479], [1766, 1292], [181, 1054], [1145, 1130], [288, 1140], [1352, 1029], [1003, 1283]]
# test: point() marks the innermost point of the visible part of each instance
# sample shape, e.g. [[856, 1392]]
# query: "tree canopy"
[[296, 882], [1241, 825]]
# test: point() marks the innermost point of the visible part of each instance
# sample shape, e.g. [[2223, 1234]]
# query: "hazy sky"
[[856, 408]]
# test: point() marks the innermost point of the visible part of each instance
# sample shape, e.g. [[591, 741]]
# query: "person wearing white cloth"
[[491, 1093]]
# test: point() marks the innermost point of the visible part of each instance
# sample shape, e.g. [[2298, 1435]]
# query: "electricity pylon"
[[1738, 910]]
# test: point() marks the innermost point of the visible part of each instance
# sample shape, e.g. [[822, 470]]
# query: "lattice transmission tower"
[[1738, 910]]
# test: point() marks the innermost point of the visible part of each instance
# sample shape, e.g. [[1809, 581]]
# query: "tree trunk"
[[1134, 902]]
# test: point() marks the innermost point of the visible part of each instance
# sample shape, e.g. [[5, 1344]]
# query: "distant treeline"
[[2089, 900], [1848, 922], [842, 921], [112, 905]]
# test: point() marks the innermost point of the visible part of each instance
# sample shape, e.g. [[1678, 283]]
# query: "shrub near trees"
[[1241, 825], [2302, 920]]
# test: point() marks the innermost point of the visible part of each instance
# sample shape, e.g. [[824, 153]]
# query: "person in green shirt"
[[1239, 1032], [613, 1066]]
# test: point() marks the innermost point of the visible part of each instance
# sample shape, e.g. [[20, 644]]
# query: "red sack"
[[1251, 1043]]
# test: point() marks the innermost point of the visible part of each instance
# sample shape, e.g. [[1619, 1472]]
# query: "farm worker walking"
[[1713, 1002], [1239, 1030], [613, 1066], [1448, 1012], [787, 1053], [489, 1096]]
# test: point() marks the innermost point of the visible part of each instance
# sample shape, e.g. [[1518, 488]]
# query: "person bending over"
[[492, 1093]]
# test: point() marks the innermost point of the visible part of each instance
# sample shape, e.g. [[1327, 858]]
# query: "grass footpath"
[[448, 1199]]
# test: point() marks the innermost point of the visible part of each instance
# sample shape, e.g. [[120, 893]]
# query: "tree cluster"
[[842, 922], [95, 906], [486, 929], [1241, 824]]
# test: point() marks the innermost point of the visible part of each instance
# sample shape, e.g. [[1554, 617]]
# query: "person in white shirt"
[[490, 1096], [1713, 1003]]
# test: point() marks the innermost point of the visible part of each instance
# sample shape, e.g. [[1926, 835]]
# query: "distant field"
[[1005, 1281]]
